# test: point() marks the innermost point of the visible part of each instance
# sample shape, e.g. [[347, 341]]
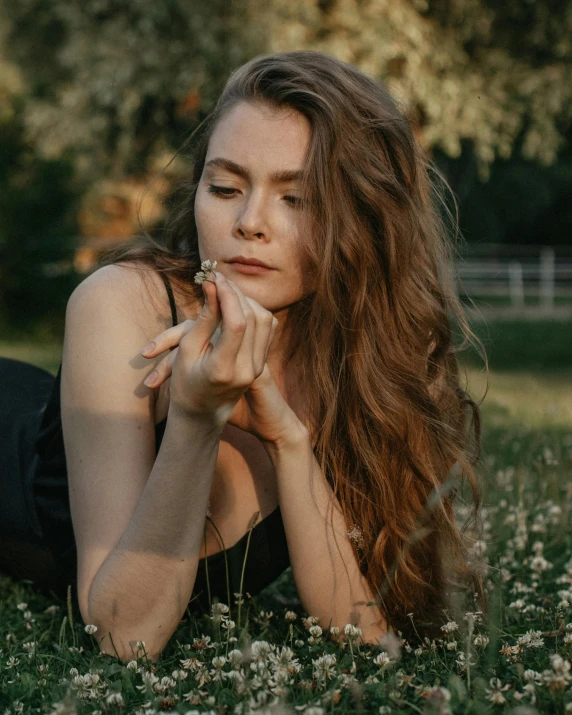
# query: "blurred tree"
[[521, 203], [37, 225], [117, 82]]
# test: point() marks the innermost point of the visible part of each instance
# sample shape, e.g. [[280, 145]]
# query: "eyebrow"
[[278, 177]]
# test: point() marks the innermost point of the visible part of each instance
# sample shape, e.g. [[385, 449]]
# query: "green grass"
[[526, 643]]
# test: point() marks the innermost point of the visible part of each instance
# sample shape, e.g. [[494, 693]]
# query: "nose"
[[252, 221]]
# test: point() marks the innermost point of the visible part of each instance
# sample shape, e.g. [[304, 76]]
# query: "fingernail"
[[148, 348], [151, 378]]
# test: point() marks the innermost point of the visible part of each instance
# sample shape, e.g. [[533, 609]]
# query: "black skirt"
[[24, 391]]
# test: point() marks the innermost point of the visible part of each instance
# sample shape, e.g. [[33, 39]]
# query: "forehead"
[[262, 138]]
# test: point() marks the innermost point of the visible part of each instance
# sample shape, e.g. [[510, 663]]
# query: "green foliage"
[[523, 202], [37, 227], [117, 89]]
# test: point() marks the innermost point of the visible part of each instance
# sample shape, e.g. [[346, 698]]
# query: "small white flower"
[[90, 629], [351, 630], [218, 661], [202, 275], [114, 699], [381, 659], [450, 627]]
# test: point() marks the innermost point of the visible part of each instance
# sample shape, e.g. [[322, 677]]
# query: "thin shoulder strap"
[[171, 298]]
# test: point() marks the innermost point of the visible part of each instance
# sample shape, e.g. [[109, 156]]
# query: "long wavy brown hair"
[[390, 428]]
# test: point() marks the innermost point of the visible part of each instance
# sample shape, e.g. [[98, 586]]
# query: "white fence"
[[538, 276]]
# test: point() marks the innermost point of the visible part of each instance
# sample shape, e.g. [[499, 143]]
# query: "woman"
[[320, 394]]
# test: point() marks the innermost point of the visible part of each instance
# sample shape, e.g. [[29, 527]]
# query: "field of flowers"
[[274, 658]]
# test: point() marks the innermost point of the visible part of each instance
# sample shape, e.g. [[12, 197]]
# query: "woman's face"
[[256, 212]]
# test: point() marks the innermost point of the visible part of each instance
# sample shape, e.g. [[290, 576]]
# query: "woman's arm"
[[143, 588], [327, 592], [138, 516]]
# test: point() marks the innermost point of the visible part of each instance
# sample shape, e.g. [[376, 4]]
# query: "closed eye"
[[221, 192]]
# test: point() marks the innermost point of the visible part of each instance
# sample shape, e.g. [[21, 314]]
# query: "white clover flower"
[[290, 616], [218, 610], [179, 675], [310, 621], [90, 629], [260, 649], [495, 693], [559, 677], [324, 667], [218, 663], [351, 630], [539, 563], [235, 658], [450, 626], [381, 659], [114, 699], [207, 268], [316, 631], [531, 639], [481, 641]]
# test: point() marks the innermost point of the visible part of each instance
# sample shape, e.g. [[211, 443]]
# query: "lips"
[[248, 261]]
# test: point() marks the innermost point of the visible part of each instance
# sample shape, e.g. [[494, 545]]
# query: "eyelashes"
[[221, 192]]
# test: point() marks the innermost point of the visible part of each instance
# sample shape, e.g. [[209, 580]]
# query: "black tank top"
[[267, 552]]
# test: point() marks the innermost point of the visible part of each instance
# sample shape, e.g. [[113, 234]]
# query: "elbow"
[[125, 641], [126, 645]]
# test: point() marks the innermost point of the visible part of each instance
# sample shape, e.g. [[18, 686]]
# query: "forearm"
[[141, 591], [335, 597]]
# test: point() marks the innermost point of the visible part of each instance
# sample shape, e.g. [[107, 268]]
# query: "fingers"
[[162, 371], [263, 329], [250, 353], [167, 339], [234, 327]]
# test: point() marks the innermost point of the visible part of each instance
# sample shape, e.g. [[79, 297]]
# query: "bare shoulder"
[[135, 289]]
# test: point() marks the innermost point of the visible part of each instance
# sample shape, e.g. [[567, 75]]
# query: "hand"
[[261, 408]]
